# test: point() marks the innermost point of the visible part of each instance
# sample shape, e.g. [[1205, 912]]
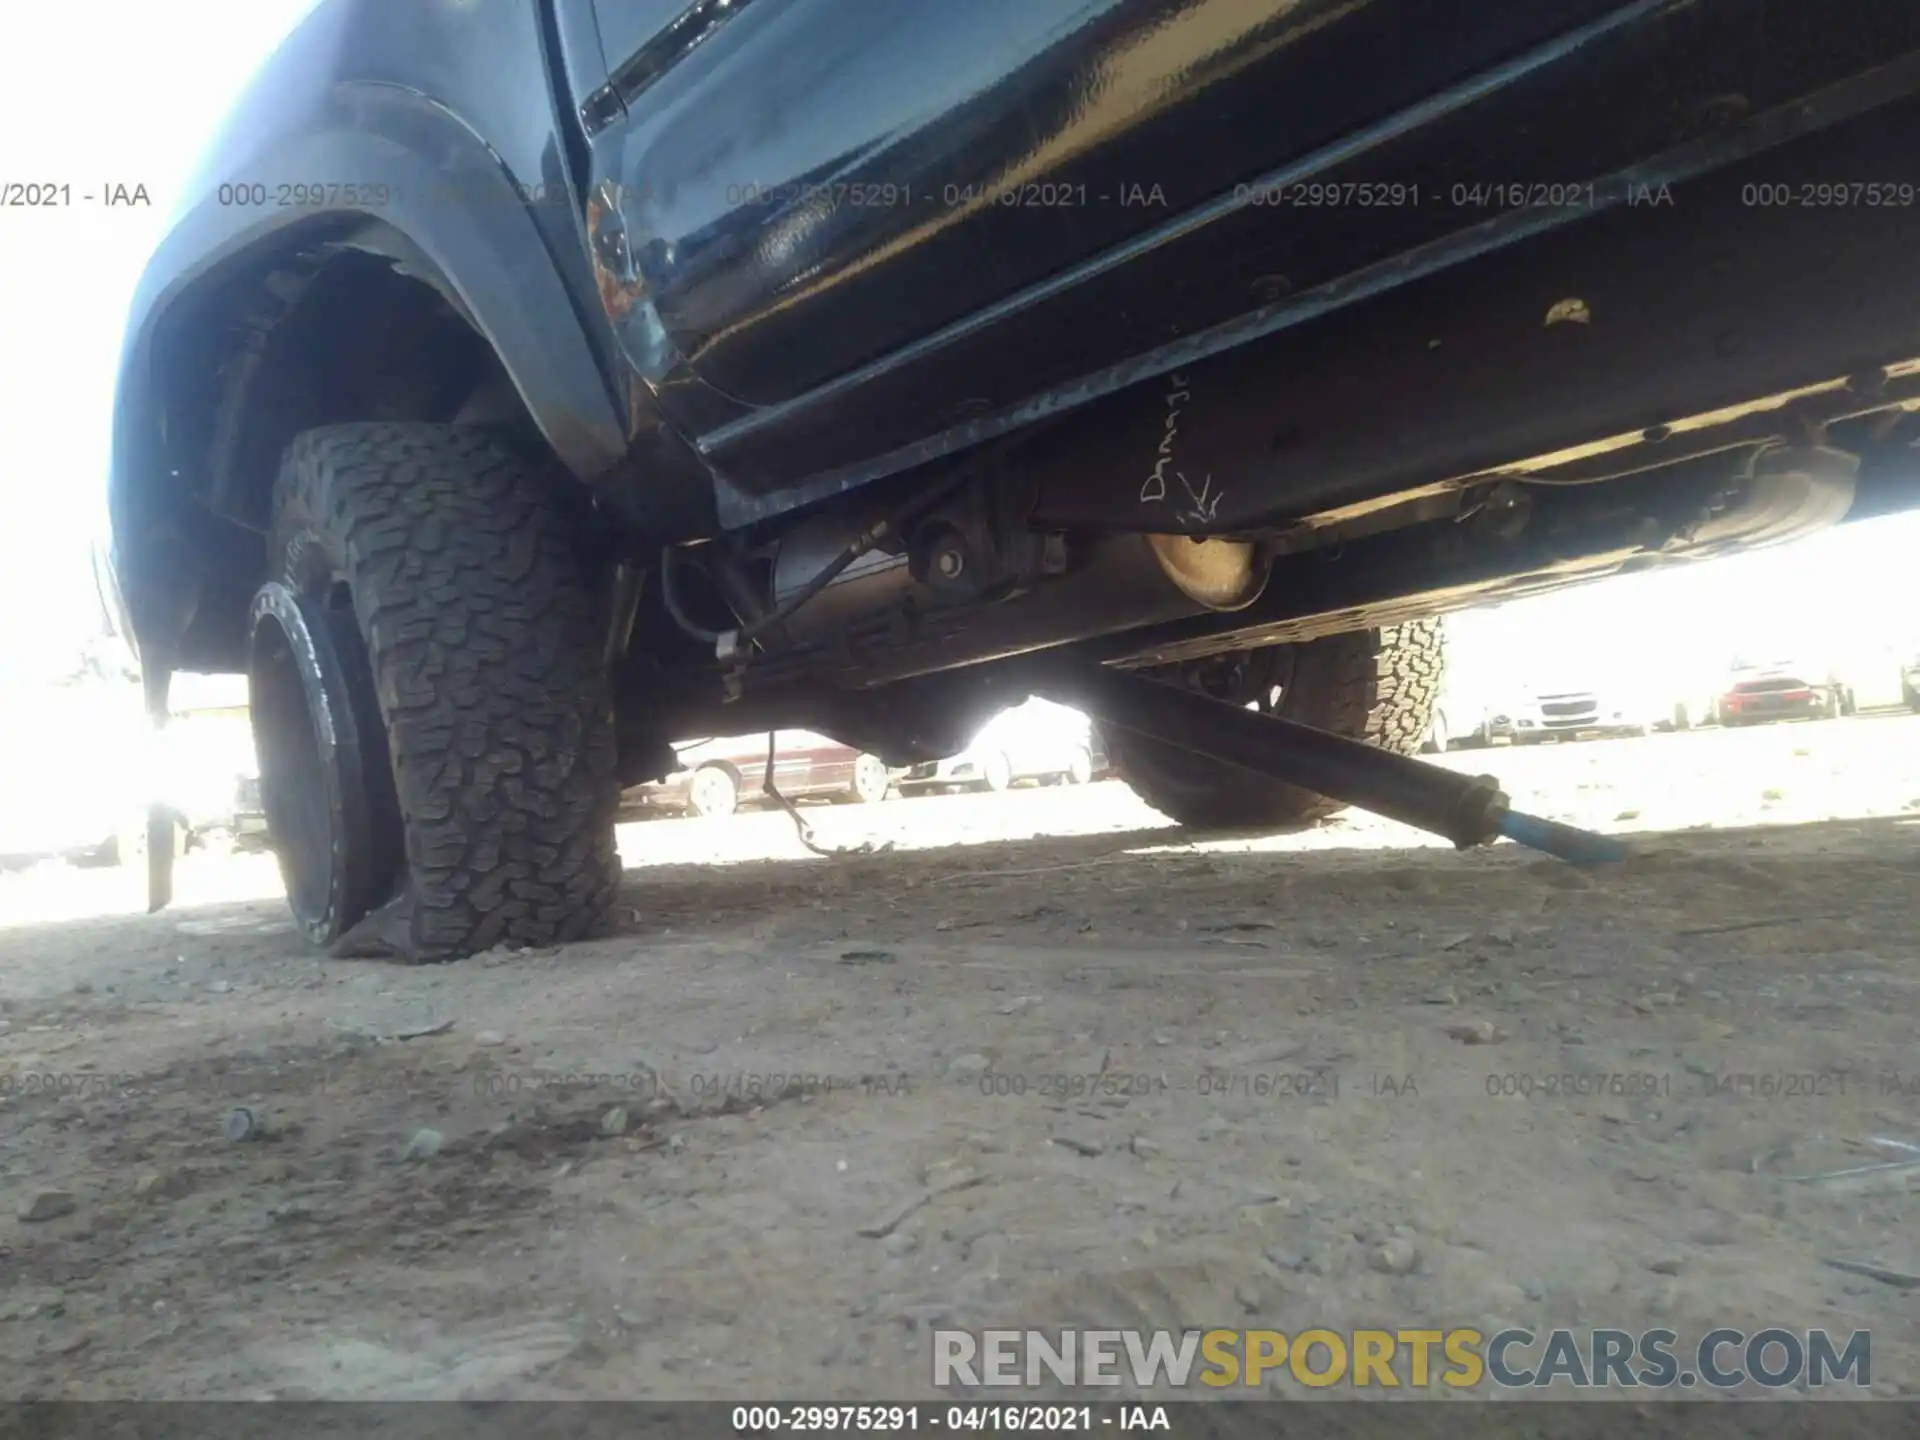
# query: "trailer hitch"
[[1469, 810]]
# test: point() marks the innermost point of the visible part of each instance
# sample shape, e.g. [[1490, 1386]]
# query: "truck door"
[[805, 186], [626, 26], [767, 152]]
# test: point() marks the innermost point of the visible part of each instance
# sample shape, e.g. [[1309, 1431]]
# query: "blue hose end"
[[1563, 842]]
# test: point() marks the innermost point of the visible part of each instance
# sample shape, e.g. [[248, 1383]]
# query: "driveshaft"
[[1469, 810]]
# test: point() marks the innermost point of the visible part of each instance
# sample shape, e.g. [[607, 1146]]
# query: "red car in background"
[[717, 777], [1781, 691]]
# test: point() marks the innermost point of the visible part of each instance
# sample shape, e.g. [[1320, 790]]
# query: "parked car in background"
[[1781, 690], [1872, 678], [1037, 740], [1459, 723], [1581, 713], [249, 813], [1500, 720], [80, 767], [70, 775], [206, 769], [717, 777], [1488, 723], [1690, 711], [1473, 690], [1461, 726]]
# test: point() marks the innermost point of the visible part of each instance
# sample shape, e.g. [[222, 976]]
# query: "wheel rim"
[[999, 772], [314, 788], [714, 793], [1081, 771], [871, 779]]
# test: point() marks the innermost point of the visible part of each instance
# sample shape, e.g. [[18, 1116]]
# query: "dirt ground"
[[799, 1111]]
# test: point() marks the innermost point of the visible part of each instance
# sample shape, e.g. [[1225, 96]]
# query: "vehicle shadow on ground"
[[1162, 862], [970, 884]]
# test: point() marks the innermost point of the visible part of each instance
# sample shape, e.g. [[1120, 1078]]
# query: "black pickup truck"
[[528, 384]]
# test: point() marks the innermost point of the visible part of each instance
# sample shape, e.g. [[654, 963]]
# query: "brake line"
[[805, 831]]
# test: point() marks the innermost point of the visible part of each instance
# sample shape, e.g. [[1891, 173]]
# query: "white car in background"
[[1037, 740], [1471, 712], [75, 773], [80, 767], [1575, 711], [68, 779], [204, 763], [1877, 677]]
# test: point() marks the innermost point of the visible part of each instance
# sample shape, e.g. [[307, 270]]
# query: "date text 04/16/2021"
[[65, 195]]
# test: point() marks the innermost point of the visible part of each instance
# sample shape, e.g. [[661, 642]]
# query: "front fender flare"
[[386, 170]]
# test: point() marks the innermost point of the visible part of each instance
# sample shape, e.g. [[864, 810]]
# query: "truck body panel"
[[741, 258]]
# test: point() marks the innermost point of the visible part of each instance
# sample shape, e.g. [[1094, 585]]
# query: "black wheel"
[[430, 702], [1374, 685]]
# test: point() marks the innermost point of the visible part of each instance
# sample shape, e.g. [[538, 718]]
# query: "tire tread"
[[1379, 686], [484, 640]]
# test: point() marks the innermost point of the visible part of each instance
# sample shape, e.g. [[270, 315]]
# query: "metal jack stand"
[[1468, 810]]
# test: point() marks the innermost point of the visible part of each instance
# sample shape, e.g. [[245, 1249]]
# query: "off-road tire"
[[1379, 686], [485, 645]]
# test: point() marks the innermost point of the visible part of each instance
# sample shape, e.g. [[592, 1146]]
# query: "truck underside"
[[1481, 346], [1614, 396]]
